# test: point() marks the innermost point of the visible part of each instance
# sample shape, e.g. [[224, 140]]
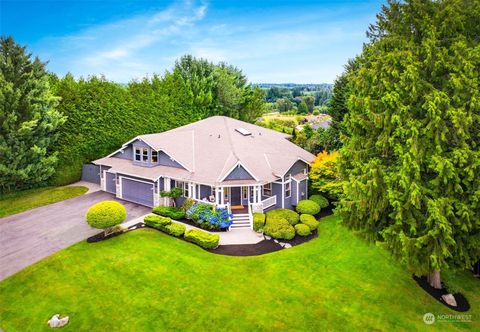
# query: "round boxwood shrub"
[[258, 221], [307, 206], [291, 216], [302, 229], [320, 200], [106, 214], [279, 228], [310, 221]]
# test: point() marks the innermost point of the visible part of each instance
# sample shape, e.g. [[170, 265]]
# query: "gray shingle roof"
[[210, 148]]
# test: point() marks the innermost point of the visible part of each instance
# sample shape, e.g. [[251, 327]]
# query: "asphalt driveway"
[[27, 237]]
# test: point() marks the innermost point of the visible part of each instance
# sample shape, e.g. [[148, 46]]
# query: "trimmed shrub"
[[320, 200], [308, 207], [302, 229], [258, 221], [279, 228], [157, 221], [201, 238], [310, 221], [169, 211], [188, 203], [291, 216], [106, 214], [174, 229]]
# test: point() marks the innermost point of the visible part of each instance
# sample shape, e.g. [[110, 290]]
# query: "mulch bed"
[[462, 303], [259, 248], [100, 236], [325, 212]]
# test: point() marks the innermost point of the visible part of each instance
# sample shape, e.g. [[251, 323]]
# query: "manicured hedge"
[[310, 221], [307, 206], [175, 229], [291, 216], [302, 230], [165, 224], [157, 221], [106, 214], [279, 228], [169, 211], [258, 221], [201, 238], [320, 200]]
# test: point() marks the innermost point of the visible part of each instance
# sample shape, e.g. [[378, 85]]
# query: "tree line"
[[52, 125]]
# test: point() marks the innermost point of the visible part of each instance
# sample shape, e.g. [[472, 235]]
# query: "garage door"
[[137, 191], [110, 185]]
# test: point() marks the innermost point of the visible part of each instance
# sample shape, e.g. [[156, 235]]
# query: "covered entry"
[[137, 191]]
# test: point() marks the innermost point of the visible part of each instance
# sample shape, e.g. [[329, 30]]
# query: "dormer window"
[[141, 155], [154, 157]]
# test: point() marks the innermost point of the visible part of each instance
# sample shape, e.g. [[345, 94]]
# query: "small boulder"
[[276, 241], [56, 321], [267, 237], [287, 245], [449, 299]]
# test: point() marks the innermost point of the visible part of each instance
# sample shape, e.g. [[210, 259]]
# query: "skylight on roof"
[[243, 131]]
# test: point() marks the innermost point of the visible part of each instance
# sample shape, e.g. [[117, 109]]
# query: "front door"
[[235, 197]]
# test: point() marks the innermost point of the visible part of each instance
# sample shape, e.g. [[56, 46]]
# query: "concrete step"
[[234, 226], [241, 218], [240, 215], [241, 222]]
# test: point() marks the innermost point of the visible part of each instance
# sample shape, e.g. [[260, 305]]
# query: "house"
[[219, 160]]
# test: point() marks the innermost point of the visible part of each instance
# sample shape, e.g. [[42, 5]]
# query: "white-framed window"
[[305, 171], [267, 189], [288, 186], [154, 156], [141, 155], [182, 185], [244, 193]]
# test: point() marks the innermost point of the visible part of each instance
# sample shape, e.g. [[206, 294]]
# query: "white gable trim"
[[237, 164]]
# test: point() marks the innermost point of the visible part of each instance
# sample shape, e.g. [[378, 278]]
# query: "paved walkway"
[[236, 236], [27, 237]]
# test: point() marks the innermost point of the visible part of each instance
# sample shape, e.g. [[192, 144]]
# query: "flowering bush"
[[209, 218]]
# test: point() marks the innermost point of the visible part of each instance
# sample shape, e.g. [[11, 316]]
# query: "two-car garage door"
[[137, 191]]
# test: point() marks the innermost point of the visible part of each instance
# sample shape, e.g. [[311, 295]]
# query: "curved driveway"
[[27, 237]]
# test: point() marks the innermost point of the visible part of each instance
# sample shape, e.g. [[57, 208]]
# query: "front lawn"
[[28, 199], [148, 281]]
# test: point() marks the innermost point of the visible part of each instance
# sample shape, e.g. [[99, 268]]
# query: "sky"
[[271, 41]]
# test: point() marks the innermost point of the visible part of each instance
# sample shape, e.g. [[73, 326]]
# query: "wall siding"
[[277, 190], [91, 173], [164, 160], [293, 199], [239, 173], [298, 167], [127, 153]]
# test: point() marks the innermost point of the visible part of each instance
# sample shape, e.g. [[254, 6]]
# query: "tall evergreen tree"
[[411, 159], [337, 107], [28, 119]]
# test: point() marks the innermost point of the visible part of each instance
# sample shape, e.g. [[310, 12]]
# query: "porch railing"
[[266, 203]]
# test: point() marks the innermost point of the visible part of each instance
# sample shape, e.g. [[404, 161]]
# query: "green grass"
[[28, 199], [148, 281]]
